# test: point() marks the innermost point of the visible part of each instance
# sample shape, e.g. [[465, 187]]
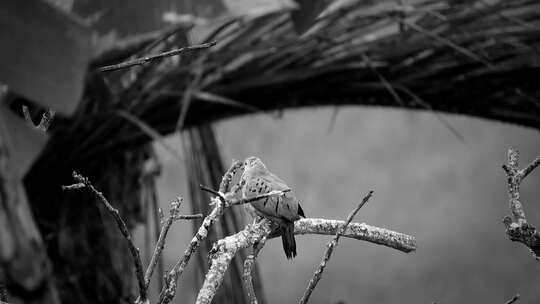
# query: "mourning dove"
[[281, 209]]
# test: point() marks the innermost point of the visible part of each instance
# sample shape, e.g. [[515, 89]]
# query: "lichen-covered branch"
[[248, 266], [223, 252], [358, 231], [143, 60], [517, 228], [328, 252], [225, 249]]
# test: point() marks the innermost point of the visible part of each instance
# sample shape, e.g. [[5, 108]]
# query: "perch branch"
[[143, 60], [248, 266], [226, 248], [171, 278], [358, 231], [517, 228], [328, 252], [123, 229]]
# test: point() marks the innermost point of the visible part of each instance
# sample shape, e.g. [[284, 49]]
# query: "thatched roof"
[[478, 58]]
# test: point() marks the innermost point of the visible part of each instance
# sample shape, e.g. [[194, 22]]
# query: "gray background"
[[449, 194]]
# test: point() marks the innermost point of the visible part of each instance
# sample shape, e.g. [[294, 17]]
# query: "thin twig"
[[143, 60], [156, 256], [513, 300], [248, 266], [123, 229], [189, 216], [73, 187], [517, 228], [328, 253], [229, 175], [530, 168]]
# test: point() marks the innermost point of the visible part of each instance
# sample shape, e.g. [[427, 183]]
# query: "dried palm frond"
[[476, 58]]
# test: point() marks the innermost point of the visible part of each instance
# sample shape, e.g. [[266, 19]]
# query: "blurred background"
[[418, 100]]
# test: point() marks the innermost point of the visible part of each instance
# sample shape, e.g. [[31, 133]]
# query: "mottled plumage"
[[281, 209]]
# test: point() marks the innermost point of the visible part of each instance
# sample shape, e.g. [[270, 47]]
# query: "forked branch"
[[517, 228]]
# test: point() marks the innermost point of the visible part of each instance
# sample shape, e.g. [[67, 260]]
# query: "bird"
[[283, 209]]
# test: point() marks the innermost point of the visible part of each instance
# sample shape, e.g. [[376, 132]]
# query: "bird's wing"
[[279, 207]]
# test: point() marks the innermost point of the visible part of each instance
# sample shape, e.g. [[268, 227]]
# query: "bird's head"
[[253, 163]]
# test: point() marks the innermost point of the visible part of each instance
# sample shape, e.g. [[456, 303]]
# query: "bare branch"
[[143, 60], [328, 252], [189, 216], [248, 266], [74, 186], [530, 167], [173, 212], [226, 248], [517, 228], [123, 229], [513, 300]]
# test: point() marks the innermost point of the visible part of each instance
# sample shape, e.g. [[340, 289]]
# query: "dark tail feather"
[[289, 243]]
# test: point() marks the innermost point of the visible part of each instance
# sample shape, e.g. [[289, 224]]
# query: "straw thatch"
[[476, 58]]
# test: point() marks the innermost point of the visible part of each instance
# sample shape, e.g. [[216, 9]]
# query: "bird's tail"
[[289, 243]]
